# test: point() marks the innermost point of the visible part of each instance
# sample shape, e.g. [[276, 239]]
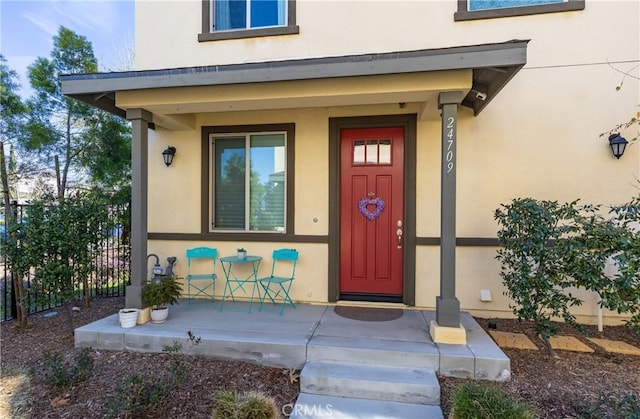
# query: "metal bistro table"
[[235, 283]]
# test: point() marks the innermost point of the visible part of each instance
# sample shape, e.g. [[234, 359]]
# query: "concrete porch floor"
[[306, 333]]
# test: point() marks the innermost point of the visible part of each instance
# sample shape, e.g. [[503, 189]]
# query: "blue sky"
[[28, 27]]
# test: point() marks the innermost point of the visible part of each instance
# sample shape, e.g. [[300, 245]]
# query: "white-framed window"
[[489, 9], [248, 181], [247, 14]]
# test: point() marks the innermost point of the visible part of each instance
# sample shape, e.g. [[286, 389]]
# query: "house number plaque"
[[450, 156]]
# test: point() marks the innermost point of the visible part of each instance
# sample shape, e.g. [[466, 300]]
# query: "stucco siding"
[[539, 137], [333, 28]]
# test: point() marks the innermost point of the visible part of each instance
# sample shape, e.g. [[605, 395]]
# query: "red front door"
[[371, 213]]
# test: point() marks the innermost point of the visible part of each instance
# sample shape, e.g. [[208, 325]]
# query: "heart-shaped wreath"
[[364, 202]]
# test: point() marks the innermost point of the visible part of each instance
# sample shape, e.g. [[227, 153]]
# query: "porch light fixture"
[[168, 154], [617, 144]]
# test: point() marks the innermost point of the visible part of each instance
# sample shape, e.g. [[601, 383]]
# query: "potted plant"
[[159, 295], [242, 253]]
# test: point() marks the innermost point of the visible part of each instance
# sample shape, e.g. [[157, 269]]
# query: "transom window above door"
[[231, 19], [372, 152]]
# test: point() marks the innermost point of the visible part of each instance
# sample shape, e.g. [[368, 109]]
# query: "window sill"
[[520, 11], [249, 33]]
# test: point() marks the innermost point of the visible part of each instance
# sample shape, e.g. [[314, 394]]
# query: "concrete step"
[[374, 352], [314, 406], [396, 384]]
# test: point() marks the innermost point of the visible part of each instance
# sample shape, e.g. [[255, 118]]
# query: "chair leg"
[[224, 295], [268, 292], [286, 298]]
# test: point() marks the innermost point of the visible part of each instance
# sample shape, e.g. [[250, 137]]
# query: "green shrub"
[[475, 401], [534, 257], [58, 246], [137, 394], [610, 405], [58, 373], [250, 405], [548, 248]]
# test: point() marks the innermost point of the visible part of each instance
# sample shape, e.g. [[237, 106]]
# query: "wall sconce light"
[[617, 144], [168, 154]]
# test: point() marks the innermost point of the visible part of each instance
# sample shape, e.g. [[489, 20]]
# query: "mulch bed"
[[553, 384], [556, 384]]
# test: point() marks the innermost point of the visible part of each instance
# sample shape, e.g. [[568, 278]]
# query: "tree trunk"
[[16, 279], [58, 183]]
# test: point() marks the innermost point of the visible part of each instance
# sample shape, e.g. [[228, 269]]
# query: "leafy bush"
[[549, 248], [534, 260], [251, 405], [137, 394], [610, 405], [58, 244], [58, 373], [476, 401], [621, 292]]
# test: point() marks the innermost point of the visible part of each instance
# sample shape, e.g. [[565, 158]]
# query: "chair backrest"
[[202, 253], [281, 255]]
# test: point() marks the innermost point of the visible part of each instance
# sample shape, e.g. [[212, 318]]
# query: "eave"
[[492, 65]]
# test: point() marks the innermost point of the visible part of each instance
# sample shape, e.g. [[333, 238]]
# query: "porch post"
[[447, 305], [140, 121]]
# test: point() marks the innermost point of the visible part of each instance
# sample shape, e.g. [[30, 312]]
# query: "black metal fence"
[[110, 268]]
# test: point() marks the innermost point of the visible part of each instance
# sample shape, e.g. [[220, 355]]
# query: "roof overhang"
[[491, 66]]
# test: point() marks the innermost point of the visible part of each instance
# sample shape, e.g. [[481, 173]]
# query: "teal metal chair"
[[278, 284], [201, 272]]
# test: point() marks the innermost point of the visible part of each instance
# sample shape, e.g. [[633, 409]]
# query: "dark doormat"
[[368, 314]]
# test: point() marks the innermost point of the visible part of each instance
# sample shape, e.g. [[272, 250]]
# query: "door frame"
[[408, 122]]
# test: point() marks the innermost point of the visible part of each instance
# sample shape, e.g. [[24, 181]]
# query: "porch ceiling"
[[182, 103], [174, 96]]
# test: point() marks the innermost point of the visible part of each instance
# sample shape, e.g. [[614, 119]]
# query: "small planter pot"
[[242, 255], [159, 315], [144, 315], [128, 317]]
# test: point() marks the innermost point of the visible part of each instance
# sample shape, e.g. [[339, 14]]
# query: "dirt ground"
[[553, 384]]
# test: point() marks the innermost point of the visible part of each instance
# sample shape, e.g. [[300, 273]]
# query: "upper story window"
[[487, 9], [233, 19], [246, 14]]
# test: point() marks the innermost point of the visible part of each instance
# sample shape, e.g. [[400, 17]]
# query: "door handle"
[[399, 235]]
